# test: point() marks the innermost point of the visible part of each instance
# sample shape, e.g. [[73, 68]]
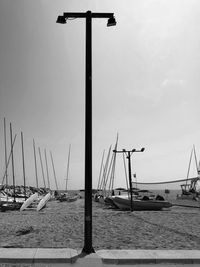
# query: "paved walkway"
[[44, 257]]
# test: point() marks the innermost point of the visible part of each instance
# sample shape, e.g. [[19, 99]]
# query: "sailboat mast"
[[42, 167], [23, 163], [109, 174], [195, 156], [8, 161], [54, 170], [100, 171], [103, 181], [113, 166], [189, 168], [36, 176], [13, 169], [68, 167], [193, 184], [47, 168], [5, 146]]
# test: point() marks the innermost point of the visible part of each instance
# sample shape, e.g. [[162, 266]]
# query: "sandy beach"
[[61, 224]]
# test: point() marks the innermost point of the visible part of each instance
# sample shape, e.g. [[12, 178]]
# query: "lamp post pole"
[[130, 178], [128, 156], [88, 137], [88, 248]]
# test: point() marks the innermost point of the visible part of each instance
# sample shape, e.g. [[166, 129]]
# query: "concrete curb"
[[149, 256], [35, 256]]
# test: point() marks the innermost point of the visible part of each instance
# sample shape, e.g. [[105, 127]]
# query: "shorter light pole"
[[128, 156]]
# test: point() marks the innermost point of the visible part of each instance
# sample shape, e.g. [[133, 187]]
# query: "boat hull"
[[125, 204], [188, 197], [109, 202], [68, 199], [10, 206]]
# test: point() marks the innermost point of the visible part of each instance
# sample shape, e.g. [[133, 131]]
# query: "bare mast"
[[101, 168], [13, 169], [68, 167], [23, 163], [42, 168], [54, 172], [35, 160], [5, 146], [8, 161], [47, 168]]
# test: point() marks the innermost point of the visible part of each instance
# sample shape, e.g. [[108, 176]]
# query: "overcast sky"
[[145, 86]]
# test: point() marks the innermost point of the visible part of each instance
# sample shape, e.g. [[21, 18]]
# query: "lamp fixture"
[[61, 20], [111, 22]]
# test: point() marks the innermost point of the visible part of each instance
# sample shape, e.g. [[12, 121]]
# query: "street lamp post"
[[88, 116], [128, 156]]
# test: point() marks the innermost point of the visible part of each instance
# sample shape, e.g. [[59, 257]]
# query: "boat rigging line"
[[170, 182]]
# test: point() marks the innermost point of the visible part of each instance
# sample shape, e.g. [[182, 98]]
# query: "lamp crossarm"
[[85, 14], [124, 151]]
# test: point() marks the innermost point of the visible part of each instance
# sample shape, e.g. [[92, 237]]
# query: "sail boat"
[[12, 204], [66, 196], [189, 190]]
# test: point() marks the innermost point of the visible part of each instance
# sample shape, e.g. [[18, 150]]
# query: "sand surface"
[[61, 224]]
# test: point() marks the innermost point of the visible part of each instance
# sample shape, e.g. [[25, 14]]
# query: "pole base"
[[88, 250]]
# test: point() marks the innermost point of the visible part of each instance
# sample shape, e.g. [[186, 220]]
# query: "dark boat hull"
[[10, 206], [125, 204]]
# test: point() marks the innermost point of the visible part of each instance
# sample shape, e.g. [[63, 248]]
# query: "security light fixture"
[[142, 150], [111, 22]]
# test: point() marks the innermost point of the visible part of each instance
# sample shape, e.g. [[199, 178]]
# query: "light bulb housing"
[[61, 20], [111, 22]]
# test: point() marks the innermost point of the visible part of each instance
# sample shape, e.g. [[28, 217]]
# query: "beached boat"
[[14, 201], [72, 198], [82, 193], [138, 204], [108, 201], [189, 188], [10, 206], [43, 201], [120, 192], [65, 197]]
